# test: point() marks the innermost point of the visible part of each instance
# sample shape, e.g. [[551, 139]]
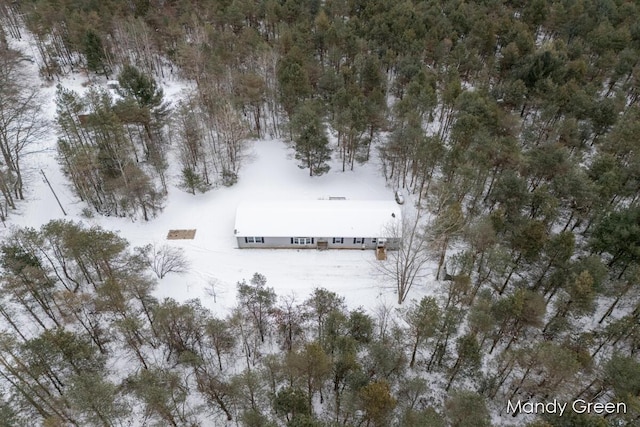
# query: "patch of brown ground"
[[181, 234]]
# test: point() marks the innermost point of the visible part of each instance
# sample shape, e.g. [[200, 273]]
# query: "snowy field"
[[216, 265]]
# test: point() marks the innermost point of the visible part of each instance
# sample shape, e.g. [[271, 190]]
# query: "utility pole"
[[54, 193]]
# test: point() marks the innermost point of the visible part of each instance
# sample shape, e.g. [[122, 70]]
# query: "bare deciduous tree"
[[406, 265], [21, 123], [212, 140], [165, 259]]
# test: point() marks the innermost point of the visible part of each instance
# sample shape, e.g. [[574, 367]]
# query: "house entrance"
[[322, 244], [381, 254]]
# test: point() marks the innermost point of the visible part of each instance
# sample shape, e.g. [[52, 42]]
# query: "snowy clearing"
[[270, 173]]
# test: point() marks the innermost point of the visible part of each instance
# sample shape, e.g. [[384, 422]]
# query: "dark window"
[[254, 239], [358, 240], [339, 240]]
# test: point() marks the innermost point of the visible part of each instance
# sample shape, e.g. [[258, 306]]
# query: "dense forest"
[[513, 125]]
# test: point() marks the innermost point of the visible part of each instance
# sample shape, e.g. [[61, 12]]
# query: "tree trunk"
[[454, 373], [414, 351], [615, 303]]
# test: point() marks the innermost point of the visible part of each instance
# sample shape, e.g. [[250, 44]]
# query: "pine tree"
[[94, 52], [310, 139], [141, 87], [191, 181]]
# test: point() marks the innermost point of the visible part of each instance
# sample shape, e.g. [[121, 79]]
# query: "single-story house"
[[319, 224]]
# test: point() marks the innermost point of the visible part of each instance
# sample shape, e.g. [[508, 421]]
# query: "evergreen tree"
[[258, 301], [310, 140], [422, 318], [467, 409], [94, 52], [141, 87]]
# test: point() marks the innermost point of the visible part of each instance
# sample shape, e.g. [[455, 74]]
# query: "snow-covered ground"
[[269, 173]]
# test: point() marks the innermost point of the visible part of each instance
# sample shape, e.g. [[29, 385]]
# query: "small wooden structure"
[[381, 255], [181, 234]]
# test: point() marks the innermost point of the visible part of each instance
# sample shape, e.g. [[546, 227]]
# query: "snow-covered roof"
[[318, 218]]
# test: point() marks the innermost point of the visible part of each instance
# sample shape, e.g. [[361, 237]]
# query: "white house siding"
[[269, 242], [285, 242]]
